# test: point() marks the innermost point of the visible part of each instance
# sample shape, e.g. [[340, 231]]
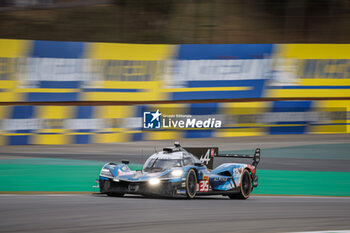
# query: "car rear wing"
[[255, 157], [207, 154]]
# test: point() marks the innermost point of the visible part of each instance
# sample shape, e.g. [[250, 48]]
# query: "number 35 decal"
[[203, 186]]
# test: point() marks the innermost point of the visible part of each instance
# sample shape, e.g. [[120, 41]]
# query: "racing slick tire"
[[191, 184], [245, 188], [105, 185]]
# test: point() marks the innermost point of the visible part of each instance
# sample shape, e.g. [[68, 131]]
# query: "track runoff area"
[[303, 186]]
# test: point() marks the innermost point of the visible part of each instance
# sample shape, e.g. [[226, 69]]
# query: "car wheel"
[[104, 185], [191, 184], [245, 188]]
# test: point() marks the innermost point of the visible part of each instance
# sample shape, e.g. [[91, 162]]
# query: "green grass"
[[65, 175], [303, 183]]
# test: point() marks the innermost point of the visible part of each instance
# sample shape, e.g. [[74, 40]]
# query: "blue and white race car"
[[182, 172]]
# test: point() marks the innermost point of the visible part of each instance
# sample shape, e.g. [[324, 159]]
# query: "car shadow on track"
[[130, 196]]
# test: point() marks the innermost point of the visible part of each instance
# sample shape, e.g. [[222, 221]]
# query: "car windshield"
[[161, 164]]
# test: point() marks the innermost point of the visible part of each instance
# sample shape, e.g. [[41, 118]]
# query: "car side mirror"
[[198, 164], [125, 161]]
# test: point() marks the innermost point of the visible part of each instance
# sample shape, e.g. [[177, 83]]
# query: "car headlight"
[[154, 181], [105, 172], [177, 172]]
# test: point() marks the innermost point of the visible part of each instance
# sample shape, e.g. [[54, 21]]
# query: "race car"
[[182, 172]]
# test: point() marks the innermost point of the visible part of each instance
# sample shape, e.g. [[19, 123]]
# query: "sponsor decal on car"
[[221, 179], [181, 191], [207, 157], [203, 186], [227, 186], [122, 173], [237, 175]]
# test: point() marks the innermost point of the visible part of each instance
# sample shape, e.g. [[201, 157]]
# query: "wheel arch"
[[195, 170], [251, 171]]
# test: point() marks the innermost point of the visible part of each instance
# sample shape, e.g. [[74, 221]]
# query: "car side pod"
[[256, 159]]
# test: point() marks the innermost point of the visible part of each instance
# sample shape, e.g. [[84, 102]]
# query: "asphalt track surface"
[[99, 213], [336, 165], [133, 151]]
